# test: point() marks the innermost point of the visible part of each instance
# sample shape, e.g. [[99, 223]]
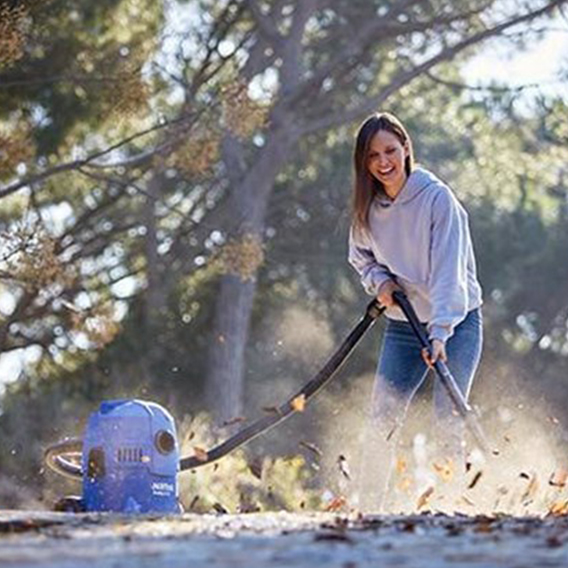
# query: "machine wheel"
[[69, 504]]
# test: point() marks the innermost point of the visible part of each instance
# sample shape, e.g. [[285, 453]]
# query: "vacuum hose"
[[55, 460], [374, 310]]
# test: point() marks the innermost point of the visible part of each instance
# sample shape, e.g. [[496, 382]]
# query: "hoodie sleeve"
[[449, 250], [361, 257]]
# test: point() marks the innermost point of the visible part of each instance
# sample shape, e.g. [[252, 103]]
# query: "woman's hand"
[[438, 352], [385, 293]]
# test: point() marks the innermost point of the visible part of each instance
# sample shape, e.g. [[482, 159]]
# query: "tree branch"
[[371, 104]]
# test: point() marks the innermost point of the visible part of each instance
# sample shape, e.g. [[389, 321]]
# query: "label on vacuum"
[[162, 488]]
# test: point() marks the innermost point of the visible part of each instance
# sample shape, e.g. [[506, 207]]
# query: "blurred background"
[[175, 185]]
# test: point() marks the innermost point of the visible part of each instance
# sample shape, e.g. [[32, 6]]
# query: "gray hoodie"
[[421, 240]]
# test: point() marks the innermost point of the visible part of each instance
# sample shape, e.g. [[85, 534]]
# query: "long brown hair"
[[365, 186]]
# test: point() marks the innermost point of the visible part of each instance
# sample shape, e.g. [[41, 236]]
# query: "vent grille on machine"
[[129, 454]]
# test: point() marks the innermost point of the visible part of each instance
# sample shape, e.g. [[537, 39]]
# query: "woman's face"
[[385, 161]]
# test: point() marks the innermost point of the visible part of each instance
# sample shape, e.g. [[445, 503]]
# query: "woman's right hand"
[[385, 293]]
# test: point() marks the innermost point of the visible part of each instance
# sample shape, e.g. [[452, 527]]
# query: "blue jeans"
[[400, 373]]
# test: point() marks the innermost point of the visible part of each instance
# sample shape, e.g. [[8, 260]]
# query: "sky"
[[540, 63]]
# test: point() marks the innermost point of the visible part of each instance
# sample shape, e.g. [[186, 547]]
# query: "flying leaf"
[[343, 466], [475, 480], [299, 403], [200, 454], [424, 498], [336, 504], [312, 447]]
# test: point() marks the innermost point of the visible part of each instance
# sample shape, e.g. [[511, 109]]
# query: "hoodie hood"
[[417, 182]]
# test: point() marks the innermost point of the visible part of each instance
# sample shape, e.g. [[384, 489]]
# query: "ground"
[[62, 540]]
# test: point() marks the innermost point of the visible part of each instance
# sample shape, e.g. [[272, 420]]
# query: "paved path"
[[58, 540]]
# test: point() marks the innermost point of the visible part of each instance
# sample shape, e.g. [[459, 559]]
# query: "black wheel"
[[69, 504]]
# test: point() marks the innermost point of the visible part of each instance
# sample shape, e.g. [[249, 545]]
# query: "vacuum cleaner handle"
[[444, 374], [373, 311]]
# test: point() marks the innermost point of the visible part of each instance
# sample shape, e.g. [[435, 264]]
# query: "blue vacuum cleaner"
[[128, 459]]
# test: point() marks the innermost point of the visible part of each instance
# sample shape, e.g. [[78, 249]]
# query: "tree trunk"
[[233, 307]]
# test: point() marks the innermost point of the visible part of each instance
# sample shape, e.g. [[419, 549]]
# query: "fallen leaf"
[[424, 498], [336, 504], [343, 466], [200, 454], [554, 541], [524, 475], [299, 403], [475, 480], [312, 447], [190, 436], [273, 409], [484, 525]]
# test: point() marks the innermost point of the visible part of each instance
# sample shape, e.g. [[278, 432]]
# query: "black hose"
[[374, 310], [53, 457], [444, 374]]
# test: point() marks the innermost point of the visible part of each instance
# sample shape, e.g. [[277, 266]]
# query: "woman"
[[409, 232]]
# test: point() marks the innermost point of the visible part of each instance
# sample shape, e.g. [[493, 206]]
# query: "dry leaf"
[[531, 490], [444, 470], [220, 509], [200, 454], [424, 498], [401, 465], [343, 467], [299, 403], [484, 525], [336, 504], [558, 478], [193, 503], [558, 508], [475, 479], [255, 467], [312, 447]]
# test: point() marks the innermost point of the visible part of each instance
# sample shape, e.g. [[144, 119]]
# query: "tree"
[[334, 63]]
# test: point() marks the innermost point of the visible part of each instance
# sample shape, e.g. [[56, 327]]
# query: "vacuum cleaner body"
[[130, 459]]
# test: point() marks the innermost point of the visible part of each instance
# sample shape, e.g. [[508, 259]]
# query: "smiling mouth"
[[386, 172]]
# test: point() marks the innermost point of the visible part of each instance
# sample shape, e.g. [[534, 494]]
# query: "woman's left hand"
[[438, 352]]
